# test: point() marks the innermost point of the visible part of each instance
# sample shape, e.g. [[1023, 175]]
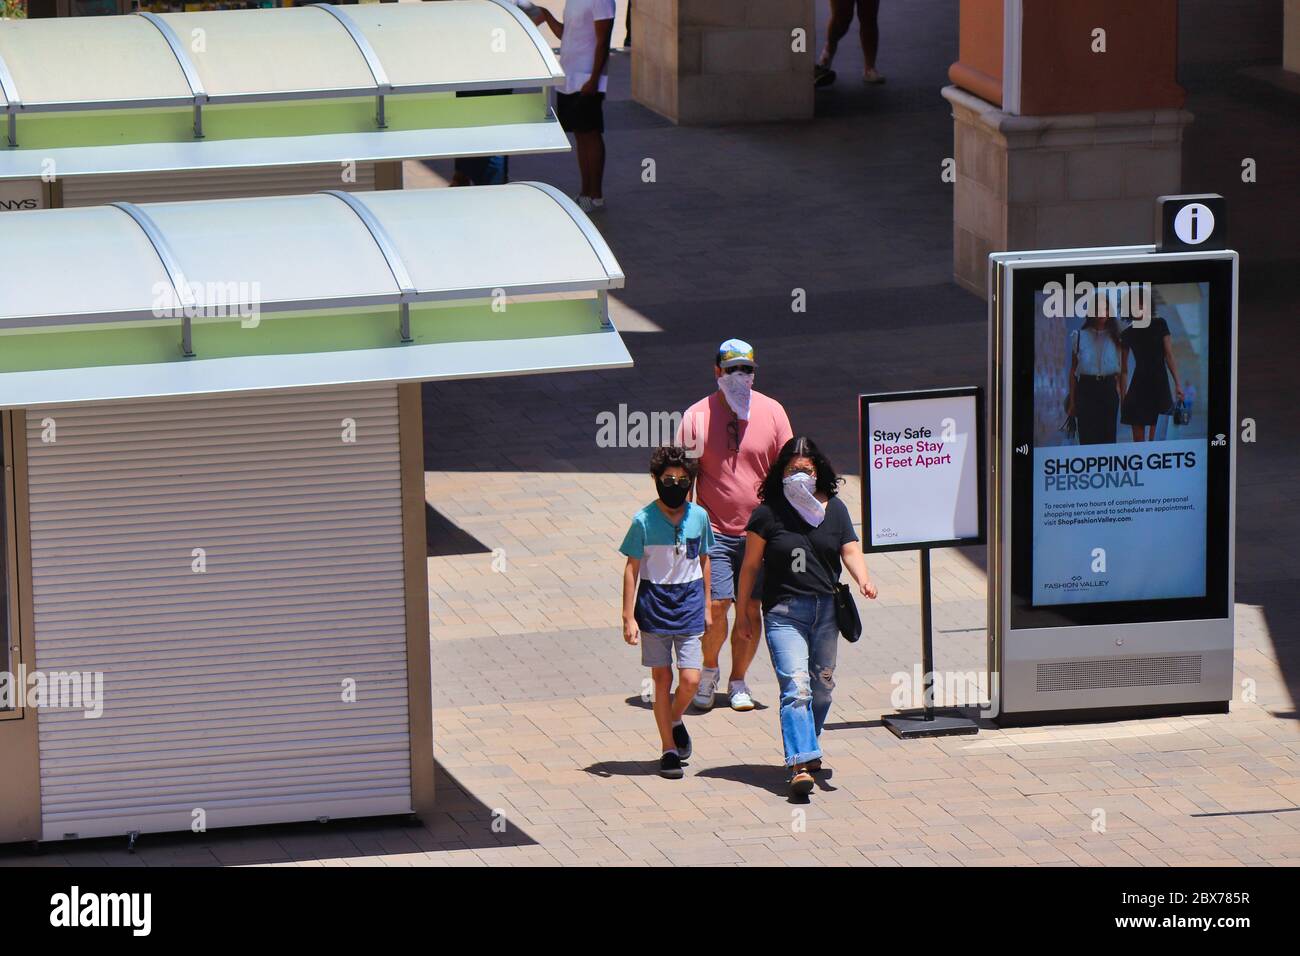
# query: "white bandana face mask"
[[735, 388], [799, 489]]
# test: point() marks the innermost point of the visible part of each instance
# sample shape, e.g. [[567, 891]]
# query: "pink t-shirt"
[[729, 478]]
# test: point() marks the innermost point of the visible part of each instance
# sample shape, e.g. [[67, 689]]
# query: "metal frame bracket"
[[171, 266], [387, 249], [373, 63], [13, 102], [187, 66]]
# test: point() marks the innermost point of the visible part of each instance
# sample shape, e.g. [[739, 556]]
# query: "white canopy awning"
[[180, 84], [128, 300]]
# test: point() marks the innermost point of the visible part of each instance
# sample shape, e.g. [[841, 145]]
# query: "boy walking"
[[664, 602]]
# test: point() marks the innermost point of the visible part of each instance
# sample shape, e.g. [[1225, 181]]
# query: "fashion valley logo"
[[53, 690], [1085, 300], [76, 909]]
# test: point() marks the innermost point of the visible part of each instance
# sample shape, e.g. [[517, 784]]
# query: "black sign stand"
[[906, 726]]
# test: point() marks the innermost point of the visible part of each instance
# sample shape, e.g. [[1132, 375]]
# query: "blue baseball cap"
[[735, 352]]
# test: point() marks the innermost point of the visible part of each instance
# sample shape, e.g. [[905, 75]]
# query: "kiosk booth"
[[152, 107], [1112, 376], [215, 499]]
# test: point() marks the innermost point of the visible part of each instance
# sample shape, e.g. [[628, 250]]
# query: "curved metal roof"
[[269, 54], [356, 287], [273, 87], [316, 251]]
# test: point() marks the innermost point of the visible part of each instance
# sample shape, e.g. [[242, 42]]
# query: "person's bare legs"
[[669, 707], [688, 682], [743, 651], [1139, 433], [836, 29], [591, 163], [716, 635], [664, 705], [869, 32]]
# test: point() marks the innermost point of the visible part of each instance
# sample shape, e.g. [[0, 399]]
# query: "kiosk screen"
[[1121, 384]]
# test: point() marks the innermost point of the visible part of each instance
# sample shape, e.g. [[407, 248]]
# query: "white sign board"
[[922, 469]]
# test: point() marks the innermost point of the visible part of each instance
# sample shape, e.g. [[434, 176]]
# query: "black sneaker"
[[670, 766], [683, 741]]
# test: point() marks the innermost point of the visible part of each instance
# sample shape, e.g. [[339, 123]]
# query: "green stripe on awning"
[[410, 111], [30, 350]]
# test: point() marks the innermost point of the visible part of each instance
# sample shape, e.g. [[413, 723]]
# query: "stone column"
[[700, 62], [1063, 135]]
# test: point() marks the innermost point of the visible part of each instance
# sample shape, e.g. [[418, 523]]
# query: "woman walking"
[[1148, 394], [801, 535], [1098, 364]]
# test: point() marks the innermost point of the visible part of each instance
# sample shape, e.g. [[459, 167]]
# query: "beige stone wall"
[[1052, 182], [723, 61]]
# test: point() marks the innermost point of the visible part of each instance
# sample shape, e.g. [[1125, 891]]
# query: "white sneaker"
[[597, 203], [740, 699], [585, 203], [703, 699]]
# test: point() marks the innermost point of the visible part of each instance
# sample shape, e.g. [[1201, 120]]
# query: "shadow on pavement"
[[622, 768], [770, 777], [461, 822], [445, 538]]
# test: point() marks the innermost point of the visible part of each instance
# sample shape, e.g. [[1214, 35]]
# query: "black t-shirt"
[[816, 570]]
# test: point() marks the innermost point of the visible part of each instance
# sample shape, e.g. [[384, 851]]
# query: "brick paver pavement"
[[543, 738]]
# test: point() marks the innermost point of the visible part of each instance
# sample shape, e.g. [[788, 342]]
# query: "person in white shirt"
[[580, 102], [1098, 371]]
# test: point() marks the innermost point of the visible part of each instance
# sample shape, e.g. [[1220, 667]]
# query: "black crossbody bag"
[[846, 610]]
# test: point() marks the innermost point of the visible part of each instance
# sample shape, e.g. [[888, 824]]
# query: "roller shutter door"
[[211, 184], [223, 690]]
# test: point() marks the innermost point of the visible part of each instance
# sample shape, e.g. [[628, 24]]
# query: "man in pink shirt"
[[737, 433]]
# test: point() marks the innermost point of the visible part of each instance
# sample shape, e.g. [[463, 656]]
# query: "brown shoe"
[[801, 784], [814, 766]]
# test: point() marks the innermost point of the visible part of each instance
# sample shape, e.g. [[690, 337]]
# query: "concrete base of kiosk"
[[1094, 715]]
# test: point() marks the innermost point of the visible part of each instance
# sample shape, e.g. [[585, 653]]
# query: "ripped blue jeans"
[[803, 638]]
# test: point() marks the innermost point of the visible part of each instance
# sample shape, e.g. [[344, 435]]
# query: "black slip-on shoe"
[[670, 766], [683, 741]]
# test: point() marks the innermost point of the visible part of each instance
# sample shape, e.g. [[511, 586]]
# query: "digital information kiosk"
[[1111, 488]]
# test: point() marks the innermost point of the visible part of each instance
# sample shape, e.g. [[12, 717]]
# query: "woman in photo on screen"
[[1098, 371], [1148, 395]]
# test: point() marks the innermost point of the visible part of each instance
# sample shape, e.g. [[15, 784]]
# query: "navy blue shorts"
[[725, 559]]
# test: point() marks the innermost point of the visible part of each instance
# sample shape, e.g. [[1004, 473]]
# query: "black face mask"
[[672, 495]]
